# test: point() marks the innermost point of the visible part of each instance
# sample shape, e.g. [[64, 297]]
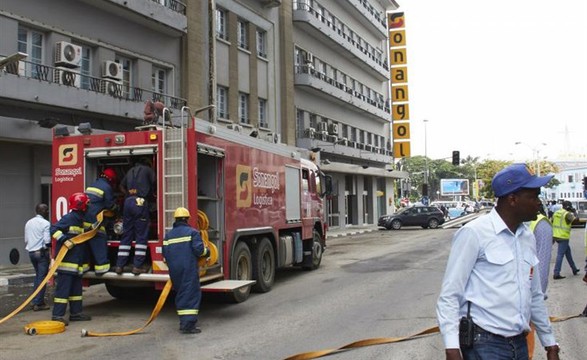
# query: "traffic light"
[[456, 158]]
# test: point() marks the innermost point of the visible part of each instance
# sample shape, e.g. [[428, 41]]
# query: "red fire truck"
[[263, 201]]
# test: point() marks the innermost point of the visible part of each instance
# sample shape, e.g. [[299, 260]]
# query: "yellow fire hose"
[[203, 225], [49, 327], [156, 310], [387, 340]]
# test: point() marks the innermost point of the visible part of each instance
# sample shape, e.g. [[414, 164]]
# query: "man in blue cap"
[[490, 292]]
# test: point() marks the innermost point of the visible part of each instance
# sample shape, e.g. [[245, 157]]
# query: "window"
[[126, 72], [222, 100], [221, 23], [242, 35], [31, 43], [263, 113], [243, 108], [159, 80], [262, 43], [85, 67]]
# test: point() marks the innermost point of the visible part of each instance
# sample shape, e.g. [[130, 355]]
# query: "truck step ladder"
[[173, 187]]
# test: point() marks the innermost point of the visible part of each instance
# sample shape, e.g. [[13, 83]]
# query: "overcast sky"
[[489, 74]]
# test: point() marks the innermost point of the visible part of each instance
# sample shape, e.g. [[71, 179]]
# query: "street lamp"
[[535, 154], [426, 150]]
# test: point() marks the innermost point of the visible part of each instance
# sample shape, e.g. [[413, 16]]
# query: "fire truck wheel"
[[317, 250], [263, 266], [241, 269]]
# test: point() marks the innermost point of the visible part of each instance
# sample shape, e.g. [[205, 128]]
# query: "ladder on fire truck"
[[174, 149]]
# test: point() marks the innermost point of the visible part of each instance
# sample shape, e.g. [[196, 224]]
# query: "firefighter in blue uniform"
[[101, 195], [181, 249], [139, 186], [69, 280]]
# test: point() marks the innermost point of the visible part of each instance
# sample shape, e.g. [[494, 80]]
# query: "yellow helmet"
[[181, 212]]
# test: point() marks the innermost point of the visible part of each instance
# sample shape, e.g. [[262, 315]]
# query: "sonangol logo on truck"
[[67, 154], [244, 190]]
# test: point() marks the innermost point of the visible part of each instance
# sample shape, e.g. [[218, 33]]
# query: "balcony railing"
[[109, 87], [174, 5]]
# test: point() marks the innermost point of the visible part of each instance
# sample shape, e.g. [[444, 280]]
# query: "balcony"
[[41, 89], [329, 88], [337, 39], [368, 16], [166, 16]]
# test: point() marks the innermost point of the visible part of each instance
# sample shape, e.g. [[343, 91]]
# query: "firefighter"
[[69, 279], [181, 249], [139, 186], [101, 195]]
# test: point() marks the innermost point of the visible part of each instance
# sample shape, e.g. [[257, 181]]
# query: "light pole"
[[426, 150], [535, 154]]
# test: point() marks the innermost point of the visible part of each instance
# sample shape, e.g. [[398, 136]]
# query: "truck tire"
[[317, 250], [263, 266], [241, 269]]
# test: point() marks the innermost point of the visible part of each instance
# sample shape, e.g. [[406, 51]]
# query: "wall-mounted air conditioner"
[[112, 70], [333, 129], [67, 76], [235, 127], [111, 87], [67, 54], [323, 126], [15, 67], [273, 137], [310, 133]]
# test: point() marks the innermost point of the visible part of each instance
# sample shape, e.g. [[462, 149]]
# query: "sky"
[[489, 74]]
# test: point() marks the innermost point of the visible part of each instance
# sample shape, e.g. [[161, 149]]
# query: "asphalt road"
[[381, 284]]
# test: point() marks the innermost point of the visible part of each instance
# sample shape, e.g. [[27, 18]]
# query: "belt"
[[480, 330], [40, 251]]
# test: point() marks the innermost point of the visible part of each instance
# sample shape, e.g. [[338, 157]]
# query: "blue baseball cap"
[[516, 177]]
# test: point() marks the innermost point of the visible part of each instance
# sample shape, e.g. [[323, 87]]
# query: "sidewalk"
[[24, 273]]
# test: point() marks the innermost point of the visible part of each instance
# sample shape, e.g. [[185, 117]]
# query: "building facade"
[[307, 73]]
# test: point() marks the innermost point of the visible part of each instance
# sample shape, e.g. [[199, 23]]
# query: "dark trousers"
[[136, 223], [488, 346], [40, 260], [67, 291]]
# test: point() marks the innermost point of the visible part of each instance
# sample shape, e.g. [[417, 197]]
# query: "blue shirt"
[[493, 268], [36, 234]]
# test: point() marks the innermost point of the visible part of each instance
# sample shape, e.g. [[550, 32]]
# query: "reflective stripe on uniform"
[[140, 249], [60, 300], [177, 240], [75, 298], [187, 312], [102, 268], [57, 235], [95, 191], [75, 230], [88, 225]]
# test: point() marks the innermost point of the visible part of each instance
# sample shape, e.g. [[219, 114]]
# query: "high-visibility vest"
[[538, 219], [560, 228]]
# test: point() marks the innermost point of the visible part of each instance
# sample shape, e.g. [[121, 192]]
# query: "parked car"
[[424, 216]]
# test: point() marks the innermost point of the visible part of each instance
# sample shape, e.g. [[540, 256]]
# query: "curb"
[[17, 279], [350, 233]]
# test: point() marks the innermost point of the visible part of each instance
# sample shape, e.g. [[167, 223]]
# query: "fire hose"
[[203, 224], [47, 327], [389, 340]]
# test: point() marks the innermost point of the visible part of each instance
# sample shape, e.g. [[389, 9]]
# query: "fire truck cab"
[[261, 203]]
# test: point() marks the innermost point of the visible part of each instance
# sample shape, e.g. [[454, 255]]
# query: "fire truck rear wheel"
[[317, 250], [241, 269], [263, 266]]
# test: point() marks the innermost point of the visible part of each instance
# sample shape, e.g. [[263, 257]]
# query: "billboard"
[[449, 187]]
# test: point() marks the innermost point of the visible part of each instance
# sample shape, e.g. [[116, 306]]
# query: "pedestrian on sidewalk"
[[38, 244], [561, 225]]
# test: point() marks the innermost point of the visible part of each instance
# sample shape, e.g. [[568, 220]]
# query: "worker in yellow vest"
[[561, 225]]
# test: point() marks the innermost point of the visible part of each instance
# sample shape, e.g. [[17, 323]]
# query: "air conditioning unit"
[[323, 126], [68, 54], [66, 76], [111, 87], [235, 127], [309, 58], [15, 67], [273, 137], [112, 70], [333, 129], [310, 133], [324, 135], [368, 147]]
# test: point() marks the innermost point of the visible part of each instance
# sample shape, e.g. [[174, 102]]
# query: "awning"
[[336, 167]]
